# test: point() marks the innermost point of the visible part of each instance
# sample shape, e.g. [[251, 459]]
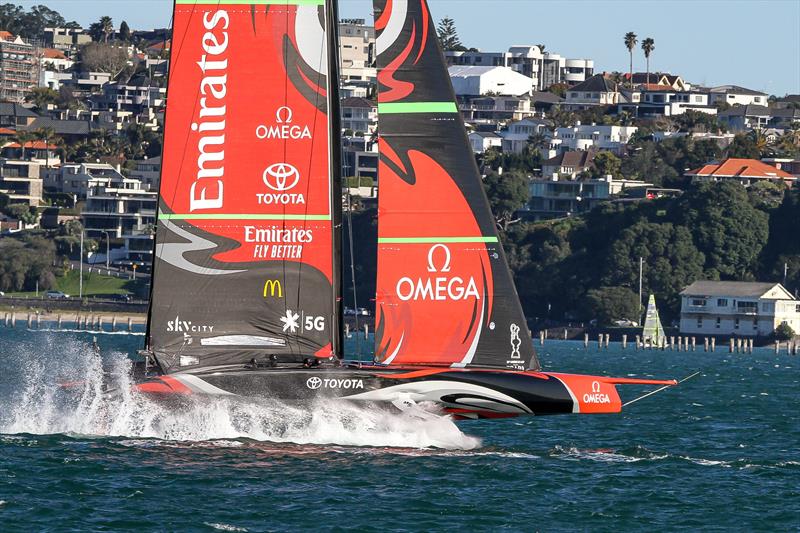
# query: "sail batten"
[[244, 255], [444, 291]]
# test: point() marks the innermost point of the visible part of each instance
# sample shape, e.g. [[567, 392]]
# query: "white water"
[[33, 402]]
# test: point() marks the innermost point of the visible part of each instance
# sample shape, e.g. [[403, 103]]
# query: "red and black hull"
[[464, 393]]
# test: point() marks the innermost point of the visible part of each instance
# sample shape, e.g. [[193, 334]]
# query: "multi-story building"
[[744, 171], [595, 91], [651, 100], [359, 157], [21, 181], [79, 178], [738, 308], [122, 213], [568, 164], [479, 81], [19, 67], [359, 114], [516, 137], [148, 172], [543, 68], [37, 152], [495, 109], [357, 49], [586, 136], [66, 39], [483, 140], [735, 95], [557, 198]]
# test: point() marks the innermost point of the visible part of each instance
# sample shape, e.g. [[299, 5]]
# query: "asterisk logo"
[[290, 321]]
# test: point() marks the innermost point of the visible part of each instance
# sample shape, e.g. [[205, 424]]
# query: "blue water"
[[718, 453]]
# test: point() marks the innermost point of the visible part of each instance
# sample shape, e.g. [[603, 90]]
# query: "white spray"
[[34, 401]]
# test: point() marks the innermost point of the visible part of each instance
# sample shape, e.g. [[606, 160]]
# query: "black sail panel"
[[244, 264], [445, 295]]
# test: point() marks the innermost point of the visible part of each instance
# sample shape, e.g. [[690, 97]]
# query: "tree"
[[725, 227], [743, 146], [98, 57], [648, 45], [630, 44], [783, 332], [671, 260], [605, 164], [613, 303], [124, 32], [23, 137], [507, 193], [448, 36], [41, 97]]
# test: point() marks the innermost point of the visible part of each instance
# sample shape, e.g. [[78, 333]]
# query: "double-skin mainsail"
[[445, 295], [247, 250]]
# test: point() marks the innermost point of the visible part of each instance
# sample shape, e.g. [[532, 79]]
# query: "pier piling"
[[130, 324], [705, 344], [713, 344], [13, 319], [694, 343], [30, 321], [624, 342], [565, 333], [58, 322], [637, 341], [585, 340], [541, 338], [732, 345]]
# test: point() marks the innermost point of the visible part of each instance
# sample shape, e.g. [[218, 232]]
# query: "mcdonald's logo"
[[274, 288]]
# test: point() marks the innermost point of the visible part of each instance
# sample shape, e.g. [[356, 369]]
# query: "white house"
[[515, 139], [586, 136], [737, 308], [735, 95], [483, 140], [474, 81]]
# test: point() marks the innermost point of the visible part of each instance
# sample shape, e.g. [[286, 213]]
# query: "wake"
[[34, 402]]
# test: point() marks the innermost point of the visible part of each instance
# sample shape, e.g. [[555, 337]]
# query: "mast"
[[335, 165]]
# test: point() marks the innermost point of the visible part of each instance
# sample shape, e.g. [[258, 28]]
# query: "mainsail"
[[653, 332], [245, 251], [445, 295]]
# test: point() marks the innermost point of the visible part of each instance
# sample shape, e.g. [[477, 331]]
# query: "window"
[[768, 307], [718, 322], [747, 307], [699, 323], [755, 324], [698, 98], [736, 324], [698, 302], [722, 302], [797, 308]]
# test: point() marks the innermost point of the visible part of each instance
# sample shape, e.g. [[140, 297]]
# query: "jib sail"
[[244, 243], [444, 292]]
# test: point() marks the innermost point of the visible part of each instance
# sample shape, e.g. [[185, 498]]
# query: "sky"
[[752, 43]]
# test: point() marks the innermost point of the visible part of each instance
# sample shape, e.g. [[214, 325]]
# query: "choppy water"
[[720, 452]]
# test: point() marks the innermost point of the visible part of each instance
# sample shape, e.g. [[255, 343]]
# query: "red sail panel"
[[444, 291], [244, 262]]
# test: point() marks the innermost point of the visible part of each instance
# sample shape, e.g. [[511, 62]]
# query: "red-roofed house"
[[745, 171], [56, 60]]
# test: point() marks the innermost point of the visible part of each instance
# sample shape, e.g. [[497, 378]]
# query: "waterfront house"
[[740, 308]]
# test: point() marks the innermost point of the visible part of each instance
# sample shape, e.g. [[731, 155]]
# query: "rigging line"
[[659, 390], [353, 269], [309, 167]]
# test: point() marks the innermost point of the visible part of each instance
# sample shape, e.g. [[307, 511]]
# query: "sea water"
[[718, 452]]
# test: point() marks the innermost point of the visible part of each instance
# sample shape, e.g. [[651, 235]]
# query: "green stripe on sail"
[[252, 2], [433, 240], [417, 107], [236, 216]]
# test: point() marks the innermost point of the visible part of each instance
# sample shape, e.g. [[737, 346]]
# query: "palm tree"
[[108, 27], [648, 45], [46, 134], [630, 44], [24, 137]]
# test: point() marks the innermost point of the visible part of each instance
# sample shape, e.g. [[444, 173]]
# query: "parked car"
[[2, 293], [121, 297], [348, 311], [56, 295]]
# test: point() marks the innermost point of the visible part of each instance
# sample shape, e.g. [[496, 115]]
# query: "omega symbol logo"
[[595, 386], [445, 265], [314, 383], [281, 177], [283, 115]]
